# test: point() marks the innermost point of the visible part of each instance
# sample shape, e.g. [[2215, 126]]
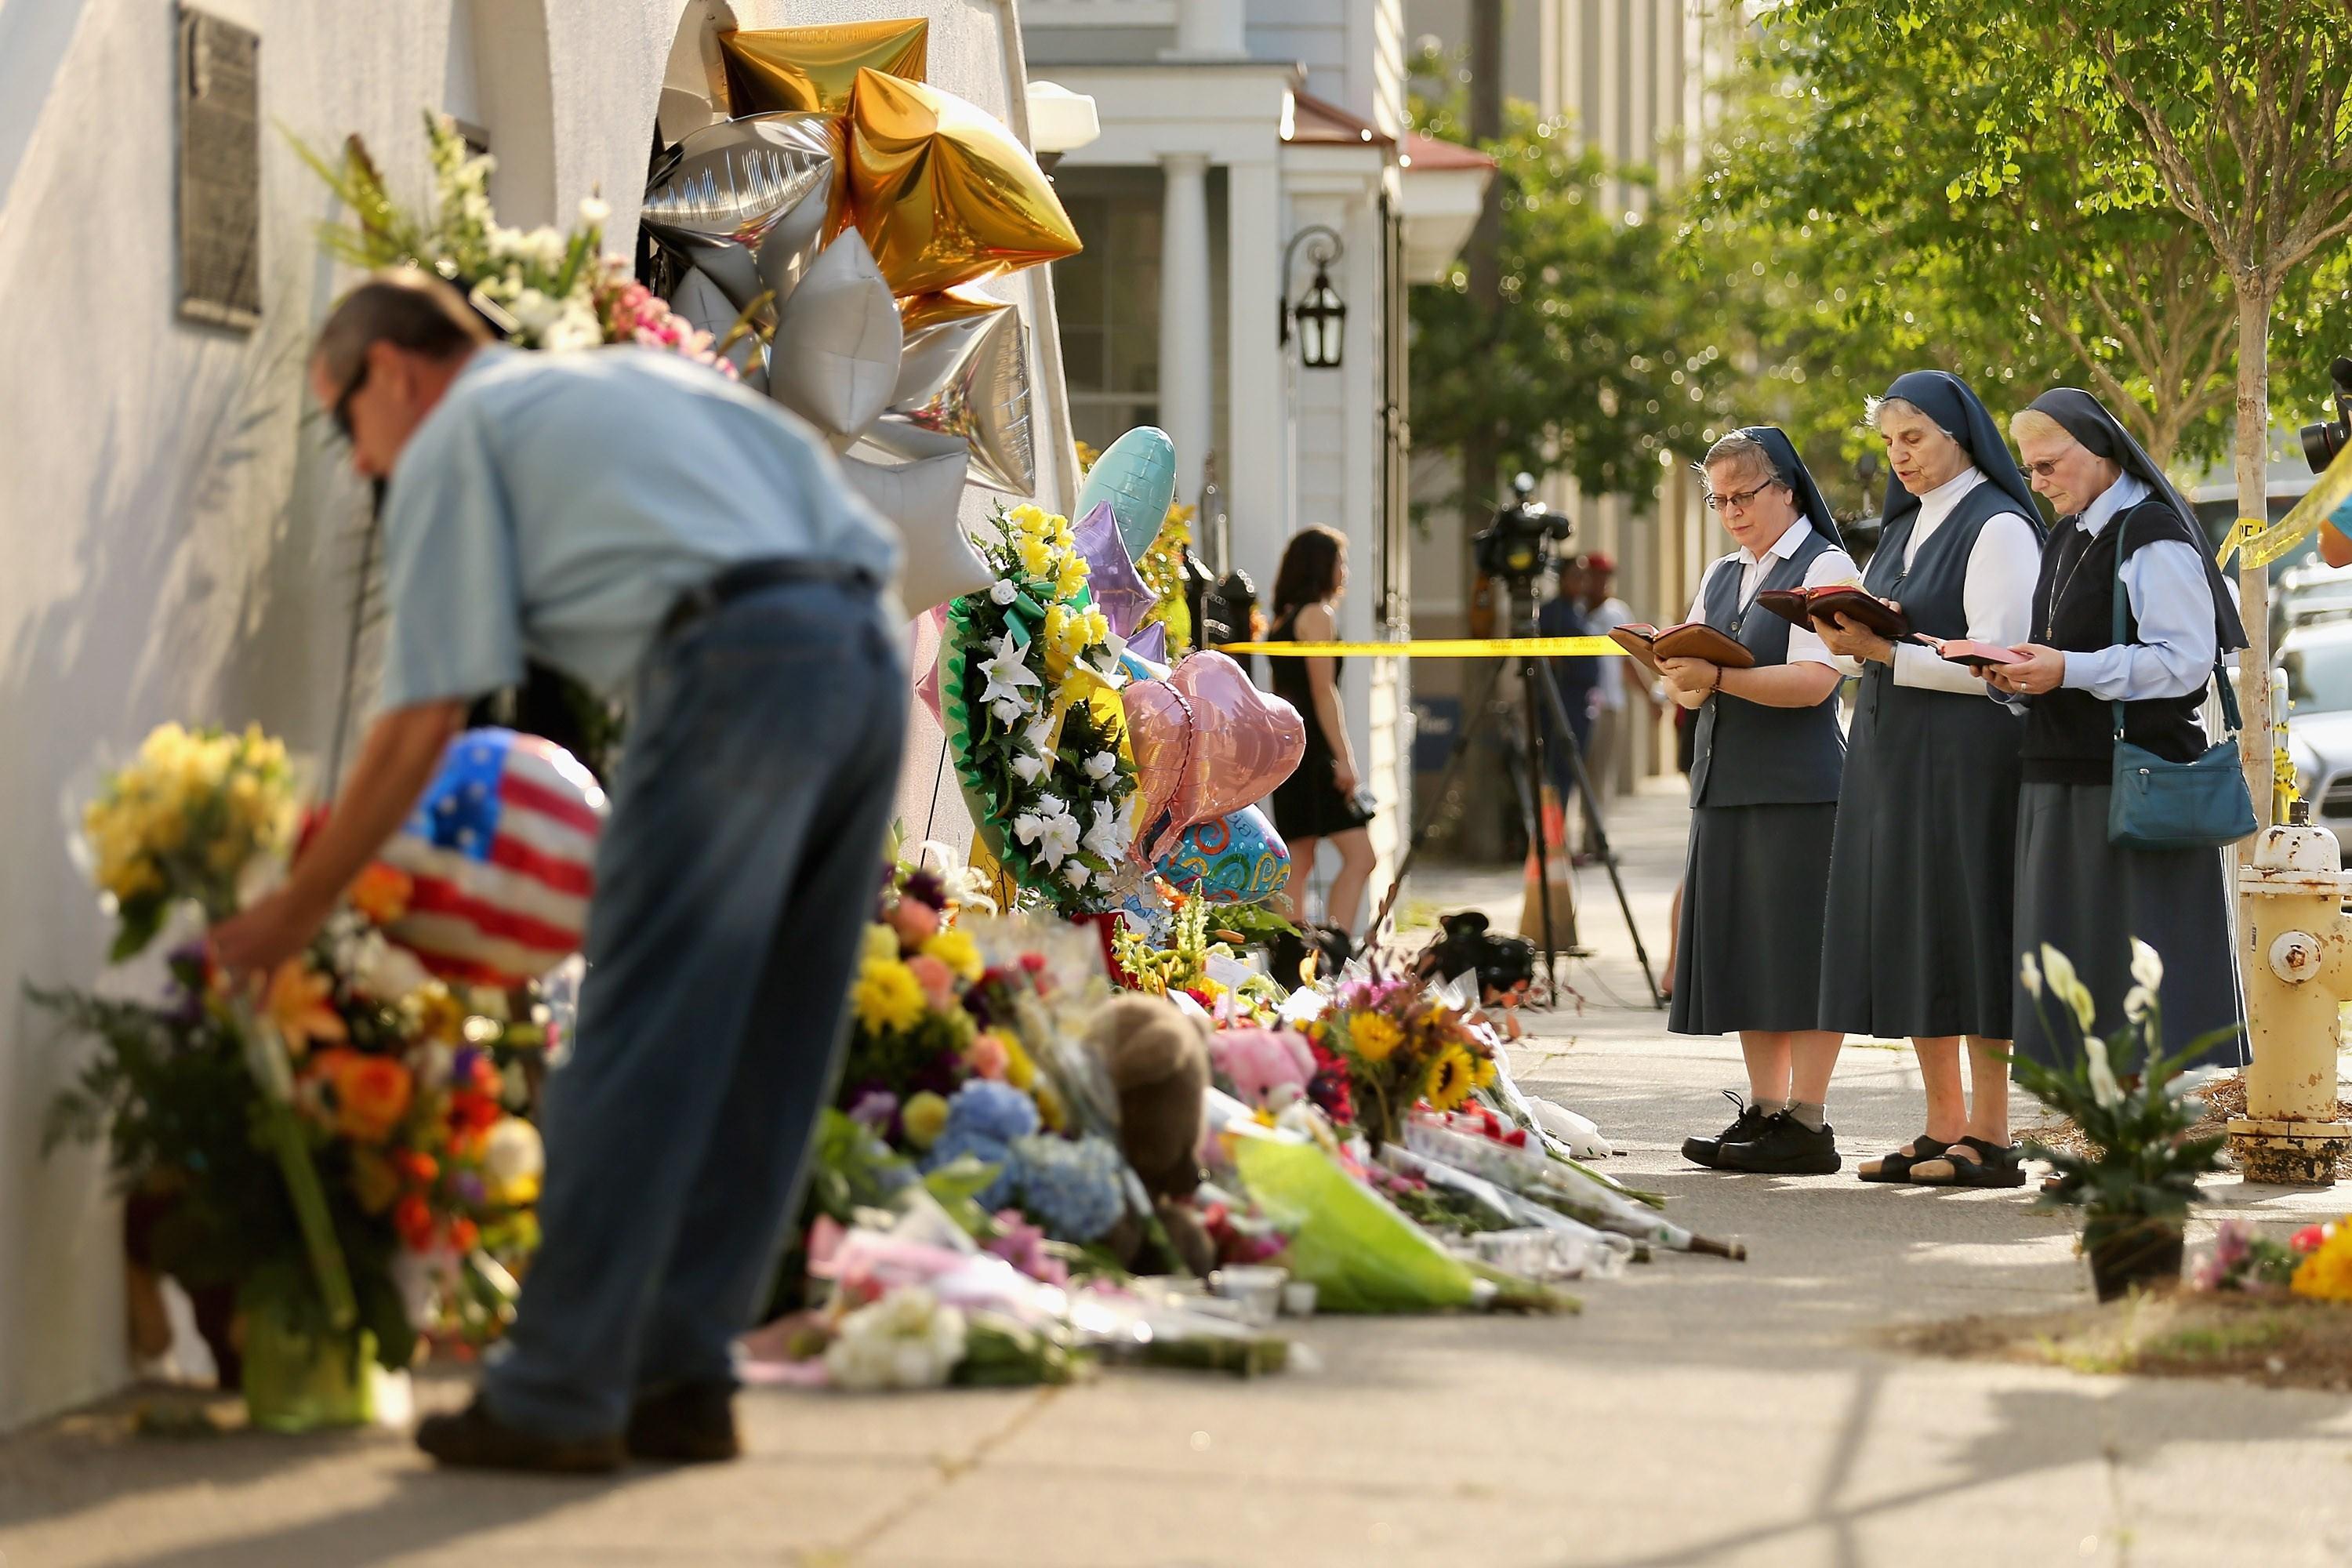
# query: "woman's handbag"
[[2161, 805]]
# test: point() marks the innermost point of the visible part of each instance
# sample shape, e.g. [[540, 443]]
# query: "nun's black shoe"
[[1749, 1123], [1785, 1147], [1896, 1166], [473, 1438], [1995, 1166]]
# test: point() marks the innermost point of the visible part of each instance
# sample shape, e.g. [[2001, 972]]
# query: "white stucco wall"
[[176, 533]]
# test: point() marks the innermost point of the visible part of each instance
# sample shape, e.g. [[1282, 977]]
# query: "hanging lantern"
[[1322, 318]]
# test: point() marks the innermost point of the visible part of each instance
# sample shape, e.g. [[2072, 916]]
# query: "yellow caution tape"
[[1436, 647], [2258, 542]]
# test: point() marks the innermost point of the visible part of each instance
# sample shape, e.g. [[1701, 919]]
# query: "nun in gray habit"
[[1917, 933], [2120, 523]]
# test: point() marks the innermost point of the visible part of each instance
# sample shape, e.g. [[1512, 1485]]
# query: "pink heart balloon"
[[1111, 577], [1206, 742], [926, 637]]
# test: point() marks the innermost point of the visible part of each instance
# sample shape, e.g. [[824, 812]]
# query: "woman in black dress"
[[1921, 878], [1319, 800]]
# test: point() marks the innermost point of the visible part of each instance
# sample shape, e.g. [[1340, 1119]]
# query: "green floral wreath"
[[1001, 705]]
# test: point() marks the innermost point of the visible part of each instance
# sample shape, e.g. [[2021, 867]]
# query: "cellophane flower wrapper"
[[1359, 1252]]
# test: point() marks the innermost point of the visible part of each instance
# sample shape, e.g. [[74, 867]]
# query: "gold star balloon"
[[773, 68], [942, 191]]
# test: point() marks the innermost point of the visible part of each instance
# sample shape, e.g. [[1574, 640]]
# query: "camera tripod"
[[1525, 747]]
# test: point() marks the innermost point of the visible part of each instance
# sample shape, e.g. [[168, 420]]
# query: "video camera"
[[2322, 441], [1517, 545]]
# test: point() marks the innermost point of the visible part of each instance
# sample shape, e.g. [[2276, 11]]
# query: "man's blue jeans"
[[734, 883]]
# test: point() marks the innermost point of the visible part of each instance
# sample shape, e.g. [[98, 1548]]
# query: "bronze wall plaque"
[[220, 172]]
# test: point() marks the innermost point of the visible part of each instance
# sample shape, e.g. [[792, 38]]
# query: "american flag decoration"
[[502, 849]]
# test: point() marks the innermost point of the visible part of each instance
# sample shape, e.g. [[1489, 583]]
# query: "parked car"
[[2317, 660]]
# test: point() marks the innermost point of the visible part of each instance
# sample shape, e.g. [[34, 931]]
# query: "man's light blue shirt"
[[556, 505]]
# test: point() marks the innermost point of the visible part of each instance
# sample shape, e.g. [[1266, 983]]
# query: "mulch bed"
[[2275, 1340], [2224, 1098]]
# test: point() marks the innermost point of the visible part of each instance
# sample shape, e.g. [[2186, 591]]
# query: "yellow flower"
[[1018, 1070], [1450, 1079], [1482, 1072], [1031, 519], [886, 996], [2326, 1275], [1036, 556], [1374, 1036], [1071, 577], [958, 951], [881, 945], [924, 1117], [1049, 1107]]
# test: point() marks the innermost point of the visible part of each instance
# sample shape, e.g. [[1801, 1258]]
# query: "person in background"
[[629, 518], [2120, 521], [1324, 798], [1563, 616], [1748, 954], [1923, 872], [1620, 695]]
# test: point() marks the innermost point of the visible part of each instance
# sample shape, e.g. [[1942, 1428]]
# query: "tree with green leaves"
[[1572, 367], [2230, 112]]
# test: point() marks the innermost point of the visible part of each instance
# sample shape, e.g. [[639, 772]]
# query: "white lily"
[[1108, 838], [2148, 964], [1007, 672], [2104, 1086], [1009, 711], [2068, 987], [1076, 874], [1029, 766], [2136, 1002], [2031, 973]]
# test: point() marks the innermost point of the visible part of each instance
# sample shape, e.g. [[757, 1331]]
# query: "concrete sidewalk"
[[1698, 1411]]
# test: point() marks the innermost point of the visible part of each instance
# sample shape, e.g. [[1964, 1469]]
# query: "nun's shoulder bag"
[[2161, 805]]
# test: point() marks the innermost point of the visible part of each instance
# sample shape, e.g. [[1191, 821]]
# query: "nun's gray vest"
[[1934, 596], [1769, 756]]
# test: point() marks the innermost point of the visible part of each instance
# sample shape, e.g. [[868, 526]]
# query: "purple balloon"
[[1150, 643], [1111, 577]]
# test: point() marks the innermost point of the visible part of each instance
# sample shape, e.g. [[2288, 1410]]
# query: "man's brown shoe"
[[685, 1423], [473, 1438]]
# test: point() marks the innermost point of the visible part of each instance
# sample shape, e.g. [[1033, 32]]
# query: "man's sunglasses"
[[342, 412]]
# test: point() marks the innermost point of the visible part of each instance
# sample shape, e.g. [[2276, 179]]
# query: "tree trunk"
[[2254, 298], [1483, 258]]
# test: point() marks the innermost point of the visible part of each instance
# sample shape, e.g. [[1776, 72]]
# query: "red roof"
[[1427, 152], [1318, 121]]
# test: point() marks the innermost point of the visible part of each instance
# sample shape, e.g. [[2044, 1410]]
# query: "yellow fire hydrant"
[[2295, 954]]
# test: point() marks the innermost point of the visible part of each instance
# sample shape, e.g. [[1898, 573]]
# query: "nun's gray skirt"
[[2088, 898], [1749, 953]]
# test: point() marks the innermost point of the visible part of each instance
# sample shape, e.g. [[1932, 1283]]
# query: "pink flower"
[[936, 978], [914, 922], [988, 1056]]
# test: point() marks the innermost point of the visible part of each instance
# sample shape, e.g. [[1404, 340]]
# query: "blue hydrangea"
[[958, 1142], [1075, 1189], [993, 1110]]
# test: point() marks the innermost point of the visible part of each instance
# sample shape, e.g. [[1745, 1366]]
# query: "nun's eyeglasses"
[[2047, 467], [1742, 500]]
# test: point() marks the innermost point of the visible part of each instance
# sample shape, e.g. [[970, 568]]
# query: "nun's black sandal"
[[1896, 1166], [1996, 1166]]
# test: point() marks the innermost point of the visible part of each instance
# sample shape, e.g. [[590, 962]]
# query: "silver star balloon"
[[700, 301], [937, 563], [963, 381], [750, 201], [834, 359]]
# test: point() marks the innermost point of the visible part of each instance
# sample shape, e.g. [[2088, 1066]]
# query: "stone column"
[[1186, 396]]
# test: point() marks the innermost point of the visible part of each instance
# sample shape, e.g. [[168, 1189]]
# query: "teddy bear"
[[1156, 1058], [1268, 1068]]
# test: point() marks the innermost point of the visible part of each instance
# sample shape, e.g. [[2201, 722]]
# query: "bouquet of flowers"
[[1036, 726], [336, 1147], [547, 288], [1403, 1044]]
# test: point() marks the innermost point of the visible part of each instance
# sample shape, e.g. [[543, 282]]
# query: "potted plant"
[[2136, 1180]]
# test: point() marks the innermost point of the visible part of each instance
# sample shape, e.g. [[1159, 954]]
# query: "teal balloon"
[[1240, 860], [1137, 474]]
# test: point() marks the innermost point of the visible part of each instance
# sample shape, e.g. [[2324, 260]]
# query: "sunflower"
[[887, 997], [1374, 1036], [1451, 1077]]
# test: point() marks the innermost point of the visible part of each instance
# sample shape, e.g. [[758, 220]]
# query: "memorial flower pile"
[[1039, 737]]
